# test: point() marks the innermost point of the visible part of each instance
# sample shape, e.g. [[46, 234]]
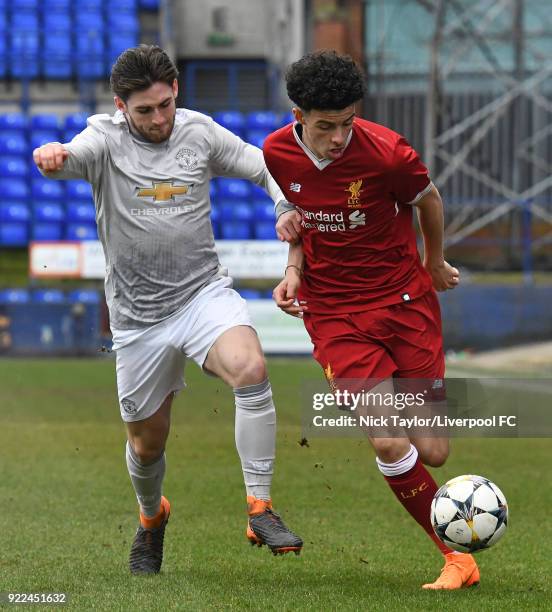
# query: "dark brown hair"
[[138, 68]]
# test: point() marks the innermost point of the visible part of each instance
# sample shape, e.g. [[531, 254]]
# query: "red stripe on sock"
[[415, 490]]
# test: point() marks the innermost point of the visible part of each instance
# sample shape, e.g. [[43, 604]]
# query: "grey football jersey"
[[153, 208]]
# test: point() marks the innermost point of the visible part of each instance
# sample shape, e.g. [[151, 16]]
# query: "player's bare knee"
[[435, 457], [251, 370], [390, 450], [147, 452]]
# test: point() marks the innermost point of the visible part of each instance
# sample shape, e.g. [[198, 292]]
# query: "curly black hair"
[[324, 81]]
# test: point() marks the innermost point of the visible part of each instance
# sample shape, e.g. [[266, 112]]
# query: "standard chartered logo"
[[332, 222], [356, 218]]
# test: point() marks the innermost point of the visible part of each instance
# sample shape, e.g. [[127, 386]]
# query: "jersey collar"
[[319, 163]]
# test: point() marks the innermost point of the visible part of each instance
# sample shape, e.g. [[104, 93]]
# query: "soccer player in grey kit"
[[169, 299]]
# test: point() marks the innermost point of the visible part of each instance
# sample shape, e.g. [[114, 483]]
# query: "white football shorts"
[[150, 361]]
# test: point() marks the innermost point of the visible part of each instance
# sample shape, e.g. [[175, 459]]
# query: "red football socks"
[[415, 490]]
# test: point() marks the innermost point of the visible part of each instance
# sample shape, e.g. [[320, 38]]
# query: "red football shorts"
[[402, 340]]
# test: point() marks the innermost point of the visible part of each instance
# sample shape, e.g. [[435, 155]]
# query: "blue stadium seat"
[[14, 189], [14, 296], [47, 231], [25, 62], [249, 294], [45, 121], [55, 23], [57, 66], [81, 212], [13, 122], [48, 296], [84, 296], [149, 5], [235, 211], [56, 5], [263, 120], [79, 190], [90, 67], [86, 21], [124, 23], [3, 21], [256, 137], [48, 212], [13, 167], [93, 6], [68, 135], [90, 43], [231, 120], [258, 193], [235, 230], [233, 188], [46, 189], [35, 172], [119, 6], [3, 51], [286, 118], [26, 21], [215, 213], [40, 137], [264, 211], [119, 43], [14, 234], [24, 5], [13, 143], [23, 53], [81, 231], [75, 121], [213, 187], [264, 230], [60, 44], [14, 212]]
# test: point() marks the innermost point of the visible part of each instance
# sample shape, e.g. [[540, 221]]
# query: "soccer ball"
[[469, 513]]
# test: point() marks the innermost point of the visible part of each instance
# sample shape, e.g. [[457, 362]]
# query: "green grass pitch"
[[68, 512]]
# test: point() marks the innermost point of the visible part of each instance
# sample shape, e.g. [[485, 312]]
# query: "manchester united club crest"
[[354, 190], [187, 159]]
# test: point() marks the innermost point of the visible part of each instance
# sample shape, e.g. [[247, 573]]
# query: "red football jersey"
[[358, 237]]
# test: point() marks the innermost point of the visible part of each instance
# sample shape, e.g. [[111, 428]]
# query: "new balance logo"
[[295, 187], [356, 218]]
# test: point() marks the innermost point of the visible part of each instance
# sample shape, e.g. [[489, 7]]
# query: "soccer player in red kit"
[[367, 300]]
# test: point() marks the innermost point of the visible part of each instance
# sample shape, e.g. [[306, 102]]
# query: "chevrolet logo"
[[161, 192]]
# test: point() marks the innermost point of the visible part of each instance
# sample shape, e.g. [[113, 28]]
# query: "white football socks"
[[401, 466], [147, 481], [255, 430]]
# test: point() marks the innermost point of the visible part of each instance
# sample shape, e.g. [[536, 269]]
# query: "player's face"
[[325, 132], [152, 111]]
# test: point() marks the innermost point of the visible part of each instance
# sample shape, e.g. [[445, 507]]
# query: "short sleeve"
[[86, 152], [409, 176]]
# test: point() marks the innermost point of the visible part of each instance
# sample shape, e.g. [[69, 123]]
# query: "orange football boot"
[[460, 571]]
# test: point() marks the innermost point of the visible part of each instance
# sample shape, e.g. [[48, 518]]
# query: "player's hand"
[[443, 275], [288, 226], [50, 157], [285, 294]]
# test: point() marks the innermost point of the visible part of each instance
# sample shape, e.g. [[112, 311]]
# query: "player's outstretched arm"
[[50, 157], [285, 293], [430, 215]]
